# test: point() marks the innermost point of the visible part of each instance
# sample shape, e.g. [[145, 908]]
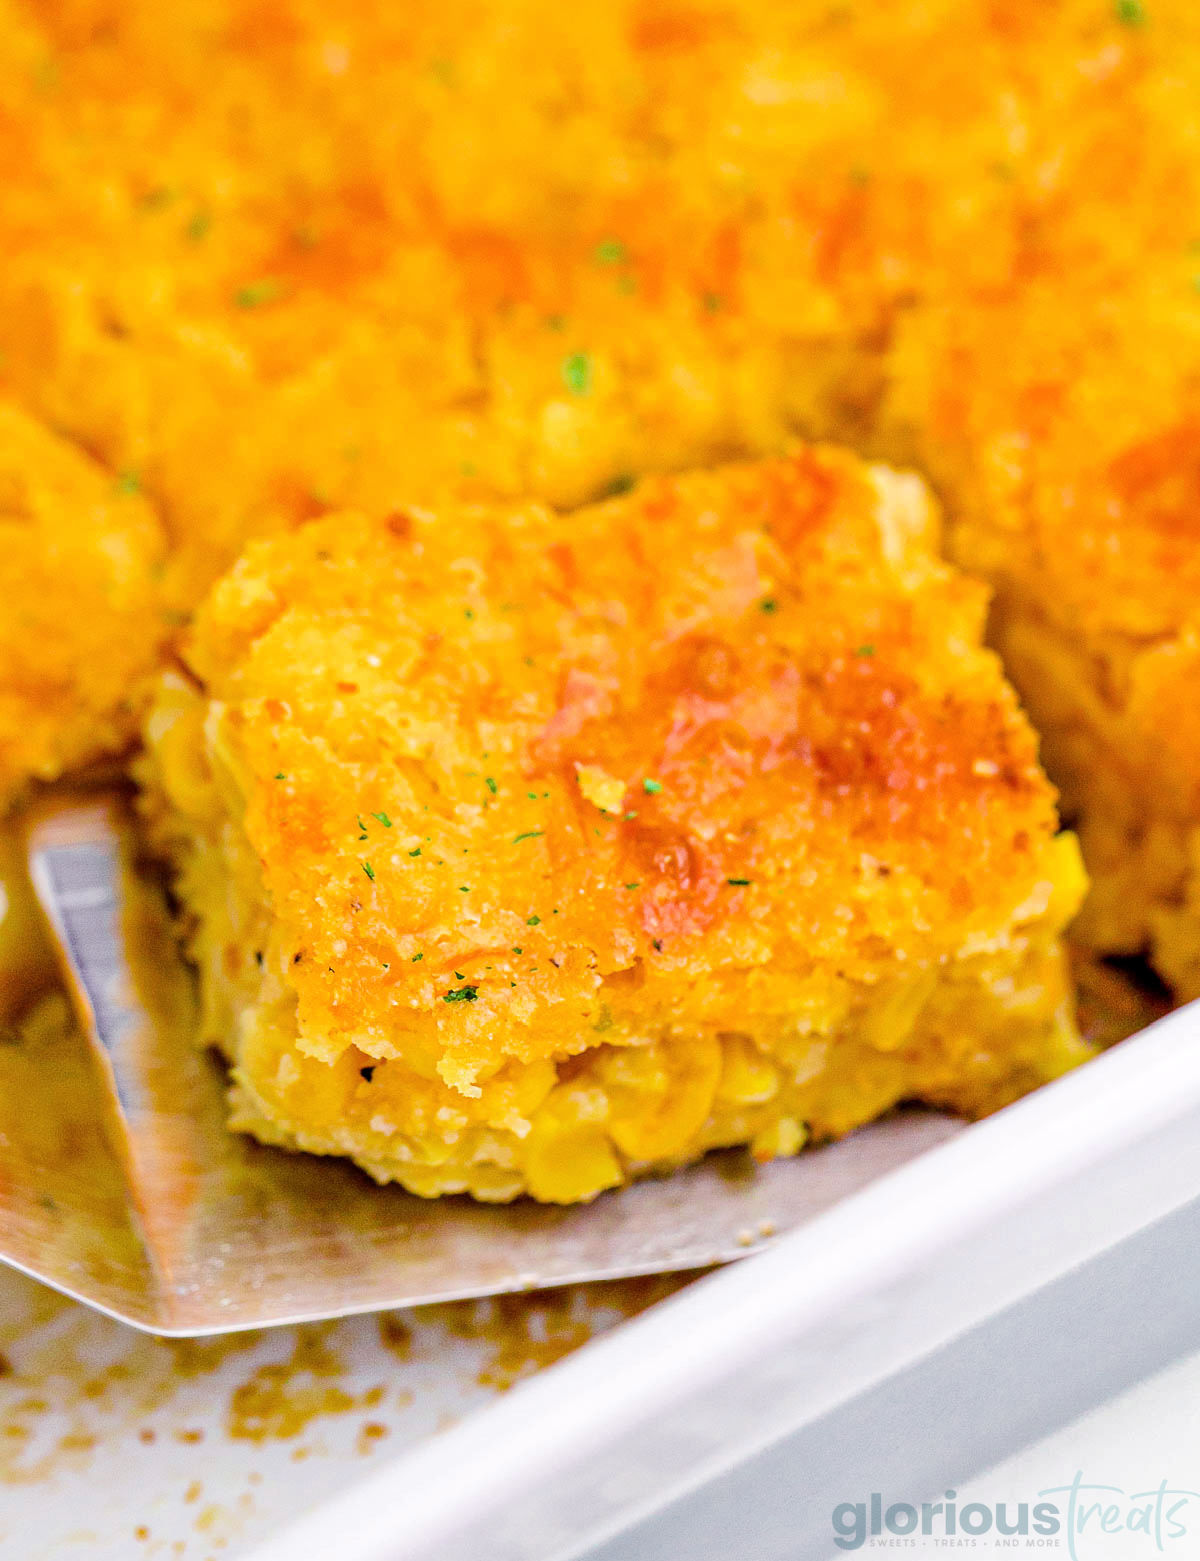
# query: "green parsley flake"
[[383, 819], [517, 950], [490, 784], [529, 834], [652, 786], [279, 775], [416, 957], [1131, 13], [533, 921], [636, 885], [369, 870], [464, 888], [865, 650], [154, 200], [462, 994], [264, 291], [417, 852], [738, 883], [577, 373], [611, 252], [362, 829]]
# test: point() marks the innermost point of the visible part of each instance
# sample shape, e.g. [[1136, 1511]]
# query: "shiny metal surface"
[[132, 1196]]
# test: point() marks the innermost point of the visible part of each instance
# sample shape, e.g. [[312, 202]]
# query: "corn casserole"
[[269, 258], [525, 853]]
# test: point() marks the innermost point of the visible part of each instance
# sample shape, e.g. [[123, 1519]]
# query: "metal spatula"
[[121, 1185]]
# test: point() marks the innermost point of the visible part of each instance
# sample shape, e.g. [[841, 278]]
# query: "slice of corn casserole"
[[524, 852]]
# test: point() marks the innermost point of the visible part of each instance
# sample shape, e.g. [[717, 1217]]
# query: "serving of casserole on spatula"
[[557, 861]]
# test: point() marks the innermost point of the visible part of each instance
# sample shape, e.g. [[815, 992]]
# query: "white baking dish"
[[746, 1359]]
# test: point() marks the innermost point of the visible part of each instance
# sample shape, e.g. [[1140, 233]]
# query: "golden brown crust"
[[735, 650], [381, 234]]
